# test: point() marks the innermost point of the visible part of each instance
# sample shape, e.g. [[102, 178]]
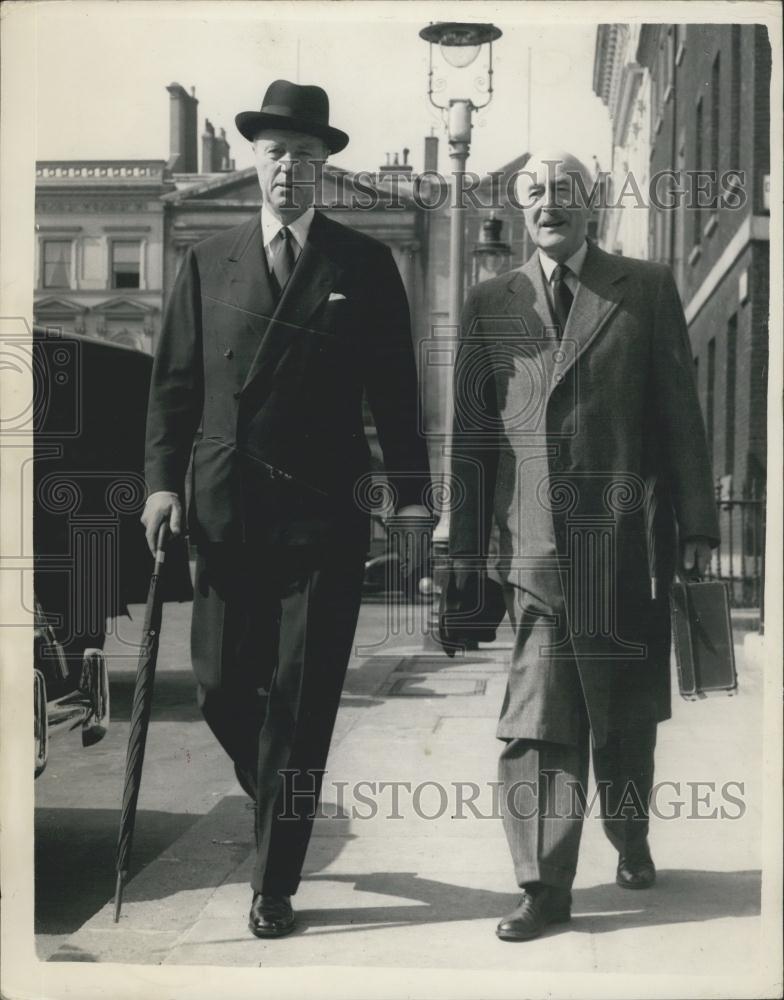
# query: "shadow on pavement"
[[174, 696], [680, 896], [75, 857]]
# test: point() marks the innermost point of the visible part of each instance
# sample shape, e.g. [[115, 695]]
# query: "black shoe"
[[636, 873], [541, 905], [271, 916]]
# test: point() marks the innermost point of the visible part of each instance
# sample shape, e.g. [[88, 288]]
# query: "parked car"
[[90, 555], [63, 702]]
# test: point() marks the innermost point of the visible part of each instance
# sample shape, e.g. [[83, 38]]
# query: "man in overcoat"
[[274, 331], [578, 439]]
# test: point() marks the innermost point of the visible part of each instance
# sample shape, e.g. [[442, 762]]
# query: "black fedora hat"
[[294, 108]]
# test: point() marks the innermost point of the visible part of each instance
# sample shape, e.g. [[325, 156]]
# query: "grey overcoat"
[[588, 455]]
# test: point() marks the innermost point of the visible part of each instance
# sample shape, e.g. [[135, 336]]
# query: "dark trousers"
[[271, 639], [544, 796]]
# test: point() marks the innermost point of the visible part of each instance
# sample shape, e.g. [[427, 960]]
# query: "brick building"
[[711, 112], [709, 123]]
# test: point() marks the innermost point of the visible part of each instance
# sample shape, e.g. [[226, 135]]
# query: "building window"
[[698, 137], [669, 60], [681, 43], [735, 99], [125, 263], [729, 426], [680, 217], [56, 263], [715, 117], [710, 395]]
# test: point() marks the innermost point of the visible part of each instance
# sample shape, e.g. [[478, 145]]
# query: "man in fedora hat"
[[274, 331]]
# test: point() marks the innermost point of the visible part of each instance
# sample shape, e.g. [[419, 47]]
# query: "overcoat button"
[[237, 394], [228, 353]]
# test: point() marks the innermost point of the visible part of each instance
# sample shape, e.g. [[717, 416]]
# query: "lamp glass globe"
[[459, 56]]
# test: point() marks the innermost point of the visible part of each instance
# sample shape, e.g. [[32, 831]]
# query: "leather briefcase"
[[702, 636]]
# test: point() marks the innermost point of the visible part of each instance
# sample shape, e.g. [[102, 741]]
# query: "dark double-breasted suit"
[[270, 388], [586, 453]]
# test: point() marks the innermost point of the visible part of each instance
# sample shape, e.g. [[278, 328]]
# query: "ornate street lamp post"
[[459, 45]]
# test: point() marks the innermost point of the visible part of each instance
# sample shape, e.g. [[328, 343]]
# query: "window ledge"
[[711, 224], [696, 253]]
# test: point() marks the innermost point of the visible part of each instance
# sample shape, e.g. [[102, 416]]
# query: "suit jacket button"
[[237, 394], [228, 353]]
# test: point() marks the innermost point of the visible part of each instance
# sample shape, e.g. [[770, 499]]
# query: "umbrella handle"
[[160, 543]]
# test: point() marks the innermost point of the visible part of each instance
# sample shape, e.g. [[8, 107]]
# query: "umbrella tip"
[[118, 897]]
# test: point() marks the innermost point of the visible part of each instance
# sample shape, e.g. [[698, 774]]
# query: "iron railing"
[[740, 558]]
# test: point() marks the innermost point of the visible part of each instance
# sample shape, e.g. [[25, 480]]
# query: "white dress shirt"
[[271, 226], [574, 263]]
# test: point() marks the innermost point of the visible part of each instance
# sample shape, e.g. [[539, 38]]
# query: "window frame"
[[113, 243], [42, 282]]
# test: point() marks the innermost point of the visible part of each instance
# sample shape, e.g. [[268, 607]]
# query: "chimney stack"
[[431, 153], [183, 129], [208, 148], [222, 160], [396, 168]]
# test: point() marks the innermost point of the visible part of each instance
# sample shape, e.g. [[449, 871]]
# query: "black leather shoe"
[[635, 873], [271, 916], [541, 905]]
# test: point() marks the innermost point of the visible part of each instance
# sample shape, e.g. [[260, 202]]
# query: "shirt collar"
[[574, 263], [299, 228]]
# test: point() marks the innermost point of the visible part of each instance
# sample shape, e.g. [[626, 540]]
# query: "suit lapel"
[[249, 284], [314, 275]]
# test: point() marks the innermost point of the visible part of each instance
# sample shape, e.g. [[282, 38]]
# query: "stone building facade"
[[99, 248]]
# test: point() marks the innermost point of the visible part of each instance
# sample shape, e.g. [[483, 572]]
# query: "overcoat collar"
[[315, 274], [598, 296]]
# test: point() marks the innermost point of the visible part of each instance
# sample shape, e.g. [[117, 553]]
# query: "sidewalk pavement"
[[412, 891]]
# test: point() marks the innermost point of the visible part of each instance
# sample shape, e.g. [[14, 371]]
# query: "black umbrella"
[[140, 718]]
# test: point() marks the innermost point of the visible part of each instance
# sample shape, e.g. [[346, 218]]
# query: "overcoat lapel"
[[314, 275], [598, 296], [528, 299]]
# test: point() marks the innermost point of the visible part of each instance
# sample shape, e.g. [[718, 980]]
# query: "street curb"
[[167, 897]]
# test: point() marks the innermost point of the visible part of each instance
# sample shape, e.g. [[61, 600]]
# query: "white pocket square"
[[336, 297]]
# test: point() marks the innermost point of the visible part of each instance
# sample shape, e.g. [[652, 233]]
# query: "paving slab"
[[427, 892]]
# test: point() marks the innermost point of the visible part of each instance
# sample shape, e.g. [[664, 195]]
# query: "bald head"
[[554, 189], [549, 160]]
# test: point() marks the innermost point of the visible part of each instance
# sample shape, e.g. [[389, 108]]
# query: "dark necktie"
[[562, 297], [283, 260]]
